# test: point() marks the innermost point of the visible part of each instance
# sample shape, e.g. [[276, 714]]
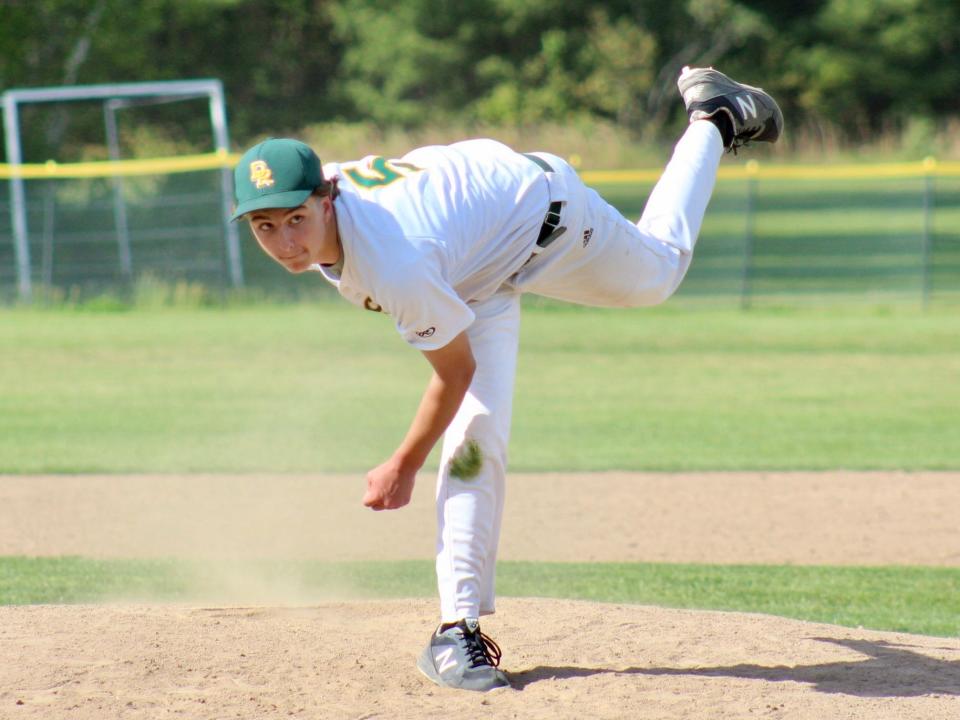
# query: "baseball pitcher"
[[445, 240]]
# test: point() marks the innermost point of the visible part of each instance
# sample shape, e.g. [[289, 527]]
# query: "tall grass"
[[595, 144]]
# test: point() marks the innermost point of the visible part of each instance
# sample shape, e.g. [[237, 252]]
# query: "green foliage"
[[862, 68], [869, 66], [275, 58], [396, 58], [902, 599]]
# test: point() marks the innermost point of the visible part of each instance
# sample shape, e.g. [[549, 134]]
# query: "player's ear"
[[326, 206]]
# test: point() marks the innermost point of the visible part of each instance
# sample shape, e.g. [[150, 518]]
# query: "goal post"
[[114, 97]]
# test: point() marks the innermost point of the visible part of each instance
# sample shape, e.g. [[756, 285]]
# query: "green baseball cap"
[[277, 173]]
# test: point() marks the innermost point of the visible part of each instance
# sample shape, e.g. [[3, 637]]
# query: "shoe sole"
[[427, 670], [715, 80]]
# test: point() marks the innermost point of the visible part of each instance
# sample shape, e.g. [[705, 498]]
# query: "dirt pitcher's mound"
[[566, 659]]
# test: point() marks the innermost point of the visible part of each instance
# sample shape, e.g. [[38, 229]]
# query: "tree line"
[[859, 68]]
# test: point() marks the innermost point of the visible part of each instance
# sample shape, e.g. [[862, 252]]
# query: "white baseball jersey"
[[442, 239], [428, 233]]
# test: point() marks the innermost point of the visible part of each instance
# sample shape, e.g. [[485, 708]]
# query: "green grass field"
[[326, 387], [835, 366], [919, 600]]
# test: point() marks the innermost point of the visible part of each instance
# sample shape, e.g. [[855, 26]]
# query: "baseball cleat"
[[754, 115], [463, 657]]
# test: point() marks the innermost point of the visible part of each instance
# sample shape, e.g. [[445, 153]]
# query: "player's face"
[[297, 237]]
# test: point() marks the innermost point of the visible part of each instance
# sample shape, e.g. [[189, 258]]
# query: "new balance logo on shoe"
[[748, 106], [710, 95], [460, 656], [445, 660]]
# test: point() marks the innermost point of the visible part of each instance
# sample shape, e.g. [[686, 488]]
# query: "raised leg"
[[605, 259]]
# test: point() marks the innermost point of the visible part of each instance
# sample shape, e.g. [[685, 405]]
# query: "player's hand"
[[389, 486]]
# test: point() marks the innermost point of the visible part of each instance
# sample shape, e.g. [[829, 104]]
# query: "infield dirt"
[[567, 659]]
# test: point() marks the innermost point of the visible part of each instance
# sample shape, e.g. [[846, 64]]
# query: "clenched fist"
[[389, 486]]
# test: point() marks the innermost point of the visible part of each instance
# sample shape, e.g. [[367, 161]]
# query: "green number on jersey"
[[379, 171]]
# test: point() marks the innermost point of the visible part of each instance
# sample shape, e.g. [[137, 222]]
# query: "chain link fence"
[[779, 234], [804, 234]]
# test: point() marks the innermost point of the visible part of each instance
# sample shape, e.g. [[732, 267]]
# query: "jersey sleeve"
[[428, 313]]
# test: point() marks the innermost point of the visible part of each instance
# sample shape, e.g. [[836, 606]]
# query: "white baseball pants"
[[602, 259]]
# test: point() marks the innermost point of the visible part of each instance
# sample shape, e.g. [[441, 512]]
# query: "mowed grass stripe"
[[329, 388], [920, 600]]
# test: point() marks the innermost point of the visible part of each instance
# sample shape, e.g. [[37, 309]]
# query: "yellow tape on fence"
[[120, 168], [751, 168]]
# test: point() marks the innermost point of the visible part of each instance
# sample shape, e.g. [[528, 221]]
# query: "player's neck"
[[333, 252]]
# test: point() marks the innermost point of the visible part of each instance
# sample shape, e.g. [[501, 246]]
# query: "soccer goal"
[[107, 222]]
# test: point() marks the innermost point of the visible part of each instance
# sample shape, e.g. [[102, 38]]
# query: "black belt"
[[551, 228]]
